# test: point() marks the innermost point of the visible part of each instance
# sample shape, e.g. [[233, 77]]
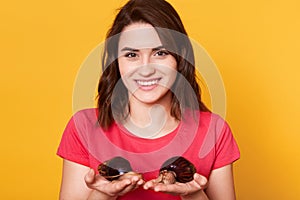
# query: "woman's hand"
[[104, 189], [189, 190]]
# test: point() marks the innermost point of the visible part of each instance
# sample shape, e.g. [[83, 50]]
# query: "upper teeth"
[[147, 83]]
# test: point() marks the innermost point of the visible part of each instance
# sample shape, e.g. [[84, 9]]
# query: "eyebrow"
[[135, 50]]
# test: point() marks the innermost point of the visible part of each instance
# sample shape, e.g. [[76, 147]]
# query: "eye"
[[161, 53], [130, 55]]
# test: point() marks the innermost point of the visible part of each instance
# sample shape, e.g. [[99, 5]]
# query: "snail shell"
[[176, 169], [114, 168]]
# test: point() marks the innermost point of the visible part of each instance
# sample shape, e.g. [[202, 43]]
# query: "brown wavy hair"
[[112, 93]]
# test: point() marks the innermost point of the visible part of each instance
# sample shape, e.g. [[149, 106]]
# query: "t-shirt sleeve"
[[71, 147], [227, 150]]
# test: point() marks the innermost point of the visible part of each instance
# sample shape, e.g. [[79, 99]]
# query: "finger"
[[140, 182], [177, 188], [120, 185], [90, 177], [136, 181], [112, 188], [149, 184], [195, 185], [170, 188], [125, 186]]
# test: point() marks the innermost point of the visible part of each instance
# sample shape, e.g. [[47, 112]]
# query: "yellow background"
[[255, 45]]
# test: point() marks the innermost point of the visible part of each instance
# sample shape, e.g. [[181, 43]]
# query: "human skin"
[[148, 72]]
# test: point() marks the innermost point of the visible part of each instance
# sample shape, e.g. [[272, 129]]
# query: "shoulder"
[[86, 114], [212, 127], [214, 123], [208, 125], [85, 118], [210, 116], [207, 119]]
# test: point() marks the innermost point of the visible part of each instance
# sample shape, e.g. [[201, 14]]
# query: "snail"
[[176, 169], [116, 168]]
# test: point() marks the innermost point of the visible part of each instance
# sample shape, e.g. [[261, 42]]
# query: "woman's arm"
[[73, 185], [221, 185], [80, 182]]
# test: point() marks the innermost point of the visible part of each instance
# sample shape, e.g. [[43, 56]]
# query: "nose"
[[147, 69]]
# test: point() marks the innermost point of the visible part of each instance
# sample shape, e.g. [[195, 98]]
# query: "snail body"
[[114, 168], [176, 169]]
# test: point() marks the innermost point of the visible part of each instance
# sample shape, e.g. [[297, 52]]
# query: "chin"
[[148, 101]]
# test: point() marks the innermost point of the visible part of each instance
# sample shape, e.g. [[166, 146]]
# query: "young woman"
[[149, 110]]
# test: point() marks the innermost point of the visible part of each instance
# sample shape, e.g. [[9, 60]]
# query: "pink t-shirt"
[[203, 138]]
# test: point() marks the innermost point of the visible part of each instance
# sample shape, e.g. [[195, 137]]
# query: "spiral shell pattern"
[[183, 169], [114, 168]]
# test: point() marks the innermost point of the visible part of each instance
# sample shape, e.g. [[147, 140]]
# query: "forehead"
[[139, 36]]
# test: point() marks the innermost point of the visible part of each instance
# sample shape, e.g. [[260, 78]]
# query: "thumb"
[[90, 177], [201, 180]]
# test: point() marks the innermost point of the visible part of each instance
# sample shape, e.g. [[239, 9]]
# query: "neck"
[[150, 120]]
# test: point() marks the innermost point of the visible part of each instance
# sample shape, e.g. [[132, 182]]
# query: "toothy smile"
[[148, 82]]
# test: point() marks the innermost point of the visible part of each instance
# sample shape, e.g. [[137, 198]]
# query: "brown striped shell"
[[114, 168], [176, 169]]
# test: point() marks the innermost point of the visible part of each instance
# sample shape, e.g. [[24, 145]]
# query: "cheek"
[[173, 70], [123, 67], [127, 68], [172, 63]]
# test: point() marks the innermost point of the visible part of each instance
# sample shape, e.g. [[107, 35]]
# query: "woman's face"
[[147, 69]]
